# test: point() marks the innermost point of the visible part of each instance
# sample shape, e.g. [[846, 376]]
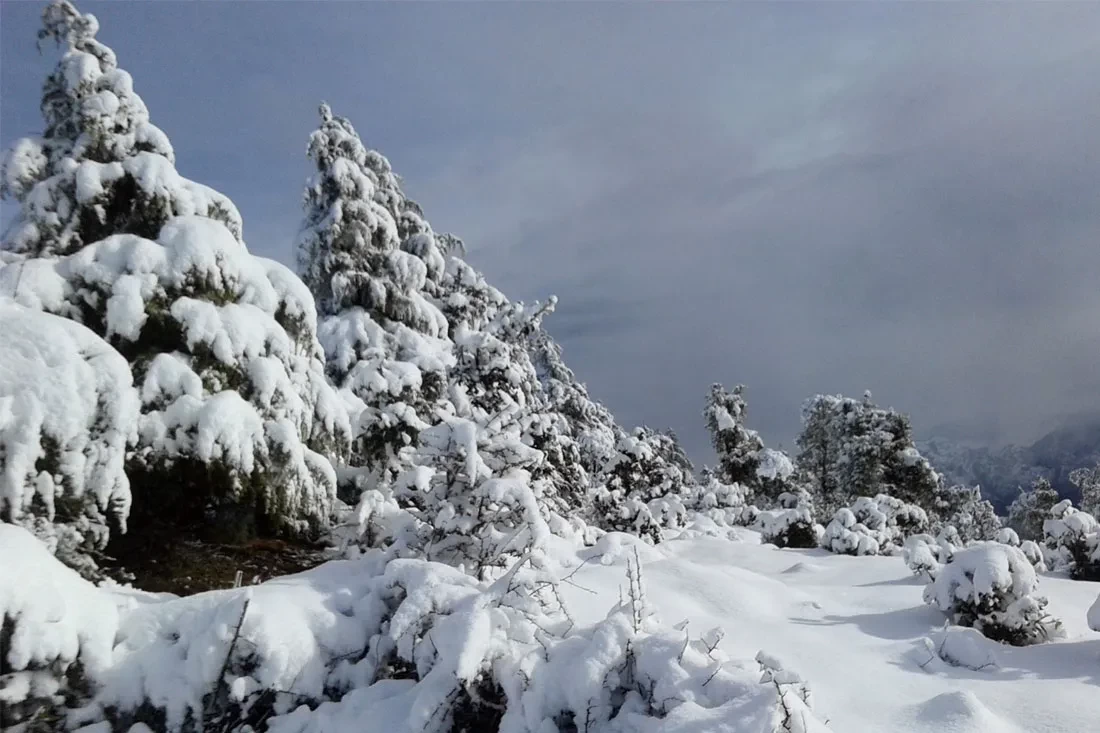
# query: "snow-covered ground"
[[853, 627]]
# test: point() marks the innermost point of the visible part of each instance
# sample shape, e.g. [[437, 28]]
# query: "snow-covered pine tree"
[[1031, 508], [853, 447], [973, 517], [236, 414], [592, 425], [100, 166], [735, 444], [68, 411], [385, 343], [1087, 481], [644, 492]]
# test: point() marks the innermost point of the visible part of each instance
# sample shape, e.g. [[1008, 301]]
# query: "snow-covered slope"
[[854, 627]]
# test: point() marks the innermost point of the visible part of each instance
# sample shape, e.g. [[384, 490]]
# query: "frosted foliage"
[[993, 588], [644, 492], [773, 464], [975, 518], [736, 445], [594, 428], [1088, 481], [68, 409], [480, 507], [1031, 508], [725, 504], [100, 167], [223, 343], [873, 526], [406, 644], [788, 527], [349, 248], [59, 623], [851, 448], [1071, 541]]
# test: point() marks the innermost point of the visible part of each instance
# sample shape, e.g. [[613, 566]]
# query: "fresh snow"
[[855, 628], [852, 632]]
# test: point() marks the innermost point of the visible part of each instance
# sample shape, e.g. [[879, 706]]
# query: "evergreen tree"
[[68, 412], [1031, 508], [236, 412], [100, 167], [592, 425], [644, 492], [973, 517], [1087, 480], [852, 448], [736, 445], [385, 343]]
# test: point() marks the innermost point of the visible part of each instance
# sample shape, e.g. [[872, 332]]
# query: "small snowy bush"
[[790, 526], [993, 588], [925, 555], [1070, 539], [644, 492], [873, 526], [725, 504], [844, 535], [68, 409]]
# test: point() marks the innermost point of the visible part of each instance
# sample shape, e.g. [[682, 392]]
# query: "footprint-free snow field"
[[856, 629]]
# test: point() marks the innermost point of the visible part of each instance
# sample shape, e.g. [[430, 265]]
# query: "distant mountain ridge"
[[1002, 471]]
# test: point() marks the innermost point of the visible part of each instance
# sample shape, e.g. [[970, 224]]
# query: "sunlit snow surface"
[[877, 657]]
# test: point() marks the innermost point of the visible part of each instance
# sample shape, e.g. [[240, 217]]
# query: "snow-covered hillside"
[[854, 627]]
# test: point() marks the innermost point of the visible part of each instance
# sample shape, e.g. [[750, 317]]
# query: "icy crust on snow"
[[68, 410], [240, 325], [408, 644]]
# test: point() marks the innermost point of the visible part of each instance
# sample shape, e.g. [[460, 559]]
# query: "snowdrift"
[[414, 645]]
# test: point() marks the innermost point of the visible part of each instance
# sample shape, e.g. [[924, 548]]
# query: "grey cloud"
[[803, 198]]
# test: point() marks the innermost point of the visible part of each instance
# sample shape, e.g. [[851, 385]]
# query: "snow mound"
[[962, 712]]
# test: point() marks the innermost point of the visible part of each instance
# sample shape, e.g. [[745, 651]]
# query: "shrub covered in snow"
[[845, 535], [973, 517], [735, 444], [723, 503], [1071, 541], [925, 555], [993, 588], [406, 644], [873, 526], [792, 525], [1031, 508], [68, 410], [644, 492]]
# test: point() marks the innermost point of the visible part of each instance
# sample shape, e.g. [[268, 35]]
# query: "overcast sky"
[[802, 198]]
